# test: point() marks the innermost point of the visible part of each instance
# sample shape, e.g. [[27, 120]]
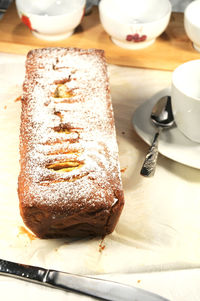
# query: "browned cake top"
[[67, 118]]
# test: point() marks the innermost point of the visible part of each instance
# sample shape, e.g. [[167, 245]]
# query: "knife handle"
[[18, 270]]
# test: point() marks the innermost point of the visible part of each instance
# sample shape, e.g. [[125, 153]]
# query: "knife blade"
[[103, 289]]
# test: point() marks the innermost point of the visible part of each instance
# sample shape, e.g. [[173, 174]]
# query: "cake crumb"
[[101, 246], [5, 107], [23, 230], [18, 99], [138, 281], [123, 169]]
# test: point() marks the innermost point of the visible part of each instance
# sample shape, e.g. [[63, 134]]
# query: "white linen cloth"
[[159, 229]]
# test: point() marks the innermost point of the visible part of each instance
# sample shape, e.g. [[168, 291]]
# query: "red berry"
[[129, 37], [136, 36], [143, 38], [26, 21]]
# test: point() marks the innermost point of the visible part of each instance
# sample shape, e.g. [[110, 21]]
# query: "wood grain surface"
[[171, 49]]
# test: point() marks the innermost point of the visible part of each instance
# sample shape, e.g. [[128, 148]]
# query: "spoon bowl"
[[162, 113], [162, 117]]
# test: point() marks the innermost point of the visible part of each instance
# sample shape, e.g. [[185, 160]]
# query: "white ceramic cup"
[[185, 93], [192, 23]]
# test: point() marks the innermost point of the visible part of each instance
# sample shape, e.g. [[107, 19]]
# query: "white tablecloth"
[[156, 244]]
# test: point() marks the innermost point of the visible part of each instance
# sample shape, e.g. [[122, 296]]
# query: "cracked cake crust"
[[69, 183]]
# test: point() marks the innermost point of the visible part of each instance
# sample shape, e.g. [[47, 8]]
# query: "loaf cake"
[[69, 183]]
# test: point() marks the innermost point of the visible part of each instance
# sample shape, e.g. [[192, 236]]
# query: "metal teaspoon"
[[162, 117]]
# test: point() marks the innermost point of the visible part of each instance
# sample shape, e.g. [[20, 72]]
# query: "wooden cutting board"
[[171, 49]]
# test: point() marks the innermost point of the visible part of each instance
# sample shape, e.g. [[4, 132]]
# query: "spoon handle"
[[149, 165]]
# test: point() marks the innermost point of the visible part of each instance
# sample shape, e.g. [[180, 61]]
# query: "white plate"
[[172, 144]]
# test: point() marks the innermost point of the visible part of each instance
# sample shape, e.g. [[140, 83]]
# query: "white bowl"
[[192, 23], [185, 94], [51, 19], [134, 24]]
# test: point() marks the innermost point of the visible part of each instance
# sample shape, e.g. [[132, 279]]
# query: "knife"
[[103, 289]]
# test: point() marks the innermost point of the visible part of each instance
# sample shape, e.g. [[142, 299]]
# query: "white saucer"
[[172, 144]]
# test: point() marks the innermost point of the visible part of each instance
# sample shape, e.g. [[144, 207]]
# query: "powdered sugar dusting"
[[86, 135]]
